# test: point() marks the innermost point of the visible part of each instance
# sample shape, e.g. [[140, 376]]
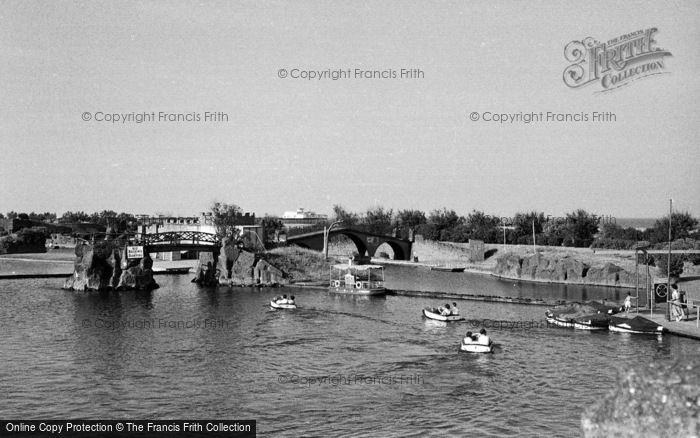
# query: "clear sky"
[[288, 143]]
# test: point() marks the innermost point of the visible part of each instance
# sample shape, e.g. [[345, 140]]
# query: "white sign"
[[134, 252]]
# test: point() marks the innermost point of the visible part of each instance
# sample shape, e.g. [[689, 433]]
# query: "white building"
[[301, 218]]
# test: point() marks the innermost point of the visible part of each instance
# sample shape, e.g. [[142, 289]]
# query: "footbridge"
[[366, 243], [176, 241]]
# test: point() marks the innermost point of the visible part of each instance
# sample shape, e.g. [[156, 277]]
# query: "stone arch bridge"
[[366, 243]]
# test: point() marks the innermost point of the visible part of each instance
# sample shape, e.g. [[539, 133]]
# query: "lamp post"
[[326, 232]]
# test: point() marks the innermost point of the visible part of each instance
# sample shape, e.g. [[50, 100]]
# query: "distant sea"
[[638, 223]]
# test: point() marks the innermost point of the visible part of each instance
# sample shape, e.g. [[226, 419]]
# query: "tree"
[[442, 224], [349, 219], [581, 228], [523, 224], [73, 217], [682, 226], [408, 221], [226, 217], [42, 217], [377, 220], [271, 225], [555, 232], [661, 263], [482, 226]]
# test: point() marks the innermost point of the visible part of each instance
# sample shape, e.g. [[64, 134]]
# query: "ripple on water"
[[314, 371]]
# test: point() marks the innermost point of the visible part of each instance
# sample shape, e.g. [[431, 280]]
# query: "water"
[[424, 279], [338, 365]]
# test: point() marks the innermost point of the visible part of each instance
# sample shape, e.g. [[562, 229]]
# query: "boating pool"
[[339, 365]]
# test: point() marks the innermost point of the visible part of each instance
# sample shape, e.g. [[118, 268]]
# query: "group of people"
[[284, 300], [446, 310], [480, 338], [678, 307]]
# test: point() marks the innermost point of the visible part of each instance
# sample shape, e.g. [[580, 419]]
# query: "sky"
[[359, 142]]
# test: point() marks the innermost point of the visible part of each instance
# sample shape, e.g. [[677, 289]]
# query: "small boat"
[[432, 313], [558, 320], [583, 316], [447, 268], [597, 321], [359, 279], [476, 347], [276, 305], [638, 324]]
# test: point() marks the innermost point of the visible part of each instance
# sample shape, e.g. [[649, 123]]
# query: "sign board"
[[134, 252]]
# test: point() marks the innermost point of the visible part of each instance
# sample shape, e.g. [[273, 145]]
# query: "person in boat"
[[291, 300], [483, 338], [628, 302], [468, 338], [455, 310], [445, 311], [282, 300]]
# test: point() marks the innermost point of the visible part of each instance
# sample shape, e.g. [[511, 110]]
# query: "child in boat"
[[628, 302], [445, 311], [282, 300], [291, 300], [455, 310]]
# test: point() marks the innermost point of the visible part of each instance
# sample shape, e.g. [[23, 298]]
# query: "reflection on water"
[[337, 365]]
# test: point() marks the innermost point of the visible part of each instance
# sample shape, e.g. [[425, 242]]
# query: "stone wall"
[[539, 267]]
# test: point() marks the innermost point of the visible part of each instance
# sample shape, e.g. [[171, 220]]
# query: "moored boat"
[[638, 324], [357, 279], [448, 268], [558, 320], [597, 321], [276, 305], [432, 313], [583, 316]]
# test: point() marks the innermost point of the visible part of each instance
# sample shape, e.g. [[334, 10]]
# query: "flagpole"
[[668, 267]]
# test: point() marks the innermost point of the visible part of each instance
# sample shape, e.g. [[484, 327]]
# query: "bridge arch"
[[357, 240]]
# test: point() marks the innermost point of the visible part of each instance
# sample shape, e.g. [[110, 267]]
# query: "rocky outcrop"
[[539, 267], [660, 398], [97, 267], [206, 273], [237, 266], [139, 277]]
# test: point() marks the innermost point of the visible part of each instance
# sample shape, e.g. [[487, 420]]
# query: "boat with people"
[[433, 313], [355, 278], [283, 302], [476, 343], [638, 324]]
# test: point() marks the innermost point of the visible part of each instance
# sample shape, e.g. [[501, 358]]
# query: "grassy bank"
[[300, 264]]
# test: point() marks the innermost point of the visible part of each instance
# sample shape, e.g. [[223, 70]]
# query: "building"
[[302, 218]]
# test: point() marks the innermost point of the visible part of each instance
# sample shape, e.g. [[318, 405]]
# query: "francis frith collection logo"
[[614, 63]]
